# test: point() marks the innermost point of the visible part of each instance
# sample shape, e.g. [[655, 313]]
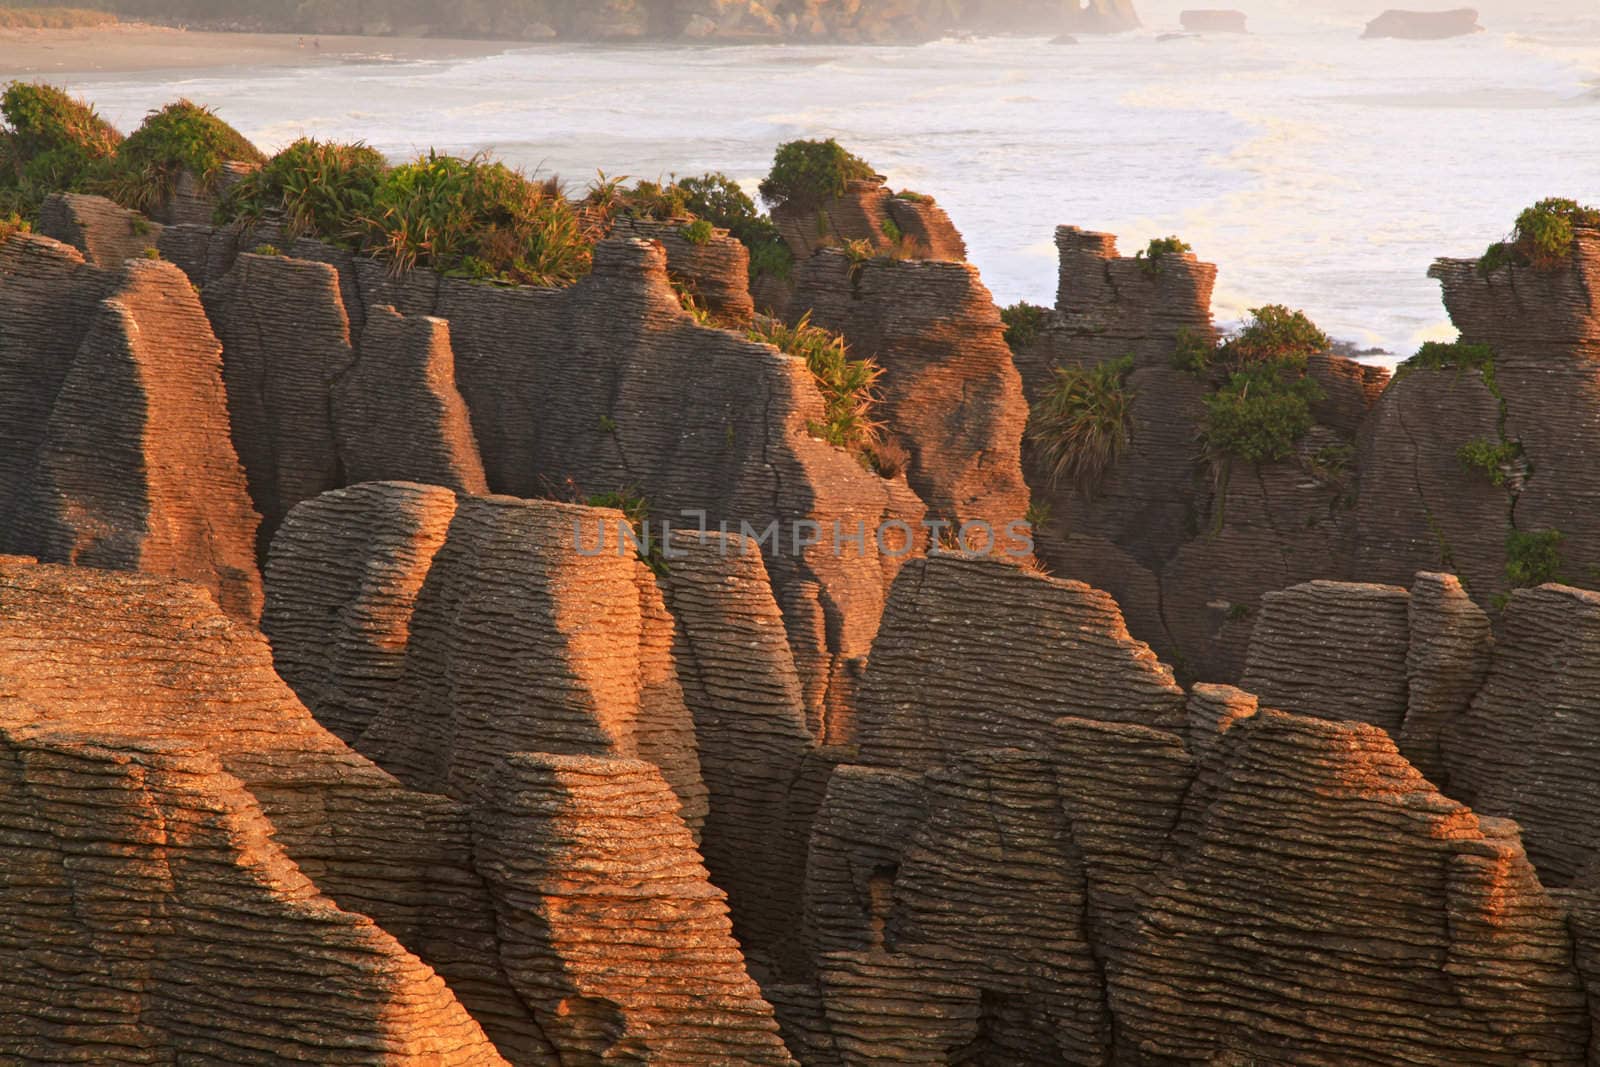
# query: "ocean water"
[[1318, 170]]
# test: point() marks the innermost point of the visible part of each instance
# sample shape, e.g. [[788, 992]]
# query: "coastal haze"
[[1317, 169]]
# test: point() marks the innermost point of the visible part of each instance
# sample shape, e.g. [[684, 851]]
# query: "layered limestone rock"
[[138, 664], [977, 653], [757, 752], [714, 271], [104, 232], [1187, 543], [532, 634], [1527, 749], [610, 385], [1446, 663], [1543, 326], [285, 340], [341, 586], [950, 395], [1358, 917], [131, 464], [908, 225], [581, 851], [1333, 650], [396, 412], [148, 915]]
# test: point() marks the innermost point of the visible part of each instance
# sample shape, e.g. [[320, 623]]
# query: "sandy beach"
[[127, 48]]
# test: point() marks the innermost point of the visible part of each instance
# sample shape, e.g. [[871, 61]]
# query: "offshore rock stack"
[[1294, 765]]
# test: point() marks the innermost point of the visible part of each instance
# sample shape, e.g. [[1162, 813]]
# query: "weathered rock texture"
[[150, 673], [1187, 544], [1358, 916], [529, 635], [976, 653], [122, 458], [1425, 25], [609, 926], [949, 395], [396, 411], [105, 233], [715, 272], [342, 583], [285, 340], [1447, 660], [1333, 651], [1527, 748], [868, 211]]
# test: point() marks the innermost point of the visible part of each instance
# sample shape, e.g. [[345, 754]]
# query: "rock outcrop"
[[1358, 916], [950, 395], [1011, 652], [285, 340], [909, 225], [396, 412], [105, 233], [579, 851], [1214, 21], [148, 671], [1425, 25], [714, 271], [123, 457]]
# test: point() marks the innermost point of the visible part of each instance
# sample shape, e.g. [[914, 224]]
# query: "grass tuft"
[[1025, 323], [180, 137], [848, 386], [1081, 424]]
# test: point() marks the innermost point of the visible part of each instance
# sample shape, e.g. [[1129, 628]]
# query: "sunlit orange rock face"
[[500, 787]]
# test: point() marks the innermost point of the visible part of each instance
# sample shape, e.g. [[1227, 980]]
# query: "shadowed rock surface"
[[285, 340], [869, 212], [341, 585], [1424, 25], [1446, 663], [976, 653], [716, 271], [132, 468], [578, 850], [396, 412], [949, 394]]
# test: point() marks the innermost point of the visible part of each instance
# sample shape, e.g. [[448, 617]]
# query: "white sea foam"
[[1317, 169]]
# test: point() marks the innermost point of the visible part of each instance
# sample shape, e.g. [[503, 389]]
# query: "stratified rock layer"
[[104, 232], [976, 653], [132, 468], [609, 926]]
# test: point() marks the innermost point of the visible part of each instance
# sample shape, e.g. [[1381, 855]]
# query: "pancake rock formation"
[[1424, 25]]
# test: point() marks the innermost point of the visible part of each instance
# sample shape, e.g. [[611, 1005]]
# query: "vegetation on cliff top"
[[182, 136], [50, 142], [319, 187], [52, 18], [1159, 248], [1081, 424], [807, 174], [1263, 407], [1024, 324], [848, 386], [1543, 236]]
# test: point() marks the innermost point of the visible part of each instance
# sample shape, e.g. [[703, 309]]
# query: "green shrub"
[[1081, 424], [1024, 323], [50, 143], [1543, 236], [847, 385], [1275, 334], [180, 137], [771, 259], [320, 187], [13, 224], [892, 231], [477, 219], [915, 198], [267, 250], [1533, 557], [1439, 355], [152, 253], [1193, 353], [1264, 407], [1159, 248], [1492, 459], [698, 232], [1260, 413], [807, 174]]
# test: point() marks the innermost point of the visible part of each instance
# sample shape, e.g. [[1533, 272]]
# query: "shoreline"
[[141, 48]]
